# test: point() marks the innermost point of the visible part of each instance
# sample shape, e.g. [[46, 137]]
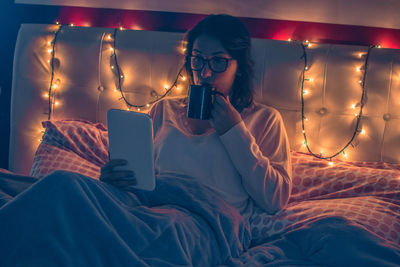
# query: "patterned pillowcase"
[[314, 178], [71, 145], [379, 216], [364, 194]]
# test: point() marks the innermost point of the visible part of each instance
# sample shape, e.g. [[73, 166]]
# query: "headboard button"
[[322, 111], [100, 88], [387, 116]]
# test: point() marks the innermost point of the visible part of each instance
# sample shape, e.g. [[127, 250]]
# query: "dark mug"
[[201, 100]]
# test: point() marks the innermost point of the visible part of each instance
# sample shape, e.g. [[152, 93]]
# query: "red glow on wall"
[[259, 28]]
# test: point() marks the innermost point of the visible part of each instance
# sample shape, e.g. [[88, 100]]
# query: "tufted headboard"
[[150, 61]]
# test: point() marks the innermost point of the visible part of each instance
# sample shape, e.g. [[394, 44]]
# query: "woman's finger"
[[106, 177], [116, 162], [109, 166], [220, 101], [124, 183]]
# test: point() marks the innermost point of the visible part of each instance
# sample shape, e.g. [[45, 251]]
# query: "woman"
[[242, 151]]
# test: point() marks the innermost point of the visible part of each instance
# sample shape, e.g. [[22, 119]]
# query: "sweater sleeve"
[[264, 165]]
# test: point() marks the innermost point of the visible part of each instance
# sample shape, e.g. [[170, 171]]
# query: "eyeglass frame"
[[207, 60]]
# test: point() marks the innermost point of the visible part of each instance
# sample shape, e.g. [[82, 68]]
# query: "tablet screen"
[[130, 137]]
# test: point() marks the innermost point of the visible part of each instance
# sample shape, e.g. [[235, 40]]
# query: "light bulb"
[[289, 40], [363, 132], [166, 87], [358, 69], [147, 105], [353, 106], [109, 37], [72, 25], [183, 78], [330, 163], [306, 92], [49, 50], [57, 103], [111, 49]]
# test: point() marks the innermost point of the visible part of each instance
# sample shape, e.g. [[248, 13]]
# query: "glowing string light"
[[304, 92]]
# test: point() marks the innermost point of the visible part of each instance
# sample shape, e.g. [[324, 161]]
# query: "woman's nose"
[[206, 71]]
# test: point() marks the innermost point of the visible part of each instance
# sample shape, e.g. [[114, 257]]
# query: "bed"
[[340, 105]]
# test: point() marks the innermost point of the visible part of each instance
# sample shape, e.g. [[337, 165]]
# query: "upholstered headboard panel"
[[150, 60]]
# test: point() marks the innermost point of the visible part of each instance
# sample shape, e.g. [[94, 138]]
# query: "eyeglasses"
[[216, 64]]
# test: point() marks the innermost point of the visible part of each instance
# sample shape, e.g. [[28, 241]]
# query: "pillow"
[[366, 194], [71, 145], [373, 214], [314, 178]]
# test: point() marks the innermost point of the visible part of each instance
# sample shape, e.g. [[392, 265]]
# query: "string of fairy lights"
[[115, 68], [120, 77], [51, 95], [358, 115]]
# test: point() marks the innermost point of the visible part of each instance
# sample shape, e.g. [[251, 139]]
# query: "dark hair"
[[235, 38]]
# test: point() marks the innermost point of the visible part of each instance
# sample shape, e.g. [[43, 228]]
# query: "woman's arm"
[[264, 164]]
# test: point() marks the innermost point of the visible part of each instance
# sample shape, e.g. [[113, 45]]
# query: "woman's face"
[[208, 47]]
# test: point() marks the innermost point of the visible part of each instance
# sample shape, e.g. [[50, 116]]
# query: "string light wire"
[[359, 115], [52, 98], [118, 69]]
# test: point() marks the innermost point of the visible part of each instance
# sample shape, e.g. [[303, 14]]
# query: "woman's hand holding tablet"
[[122, 179]]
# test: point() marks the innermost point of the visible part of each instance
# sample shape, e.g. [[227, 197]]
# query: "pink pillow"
[[365, 194], [314, 178], [71, 145]]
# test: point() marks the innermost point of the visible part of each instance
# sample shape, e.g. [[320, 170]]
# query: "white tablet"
[[130, 136]]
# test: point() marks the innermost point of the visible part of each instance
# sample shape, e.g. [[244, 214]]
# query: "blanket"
[[67, 219]]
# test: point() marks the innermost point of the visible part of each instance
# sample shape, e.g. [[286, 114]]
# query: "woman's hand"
[[223, 115], [118, 178]]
